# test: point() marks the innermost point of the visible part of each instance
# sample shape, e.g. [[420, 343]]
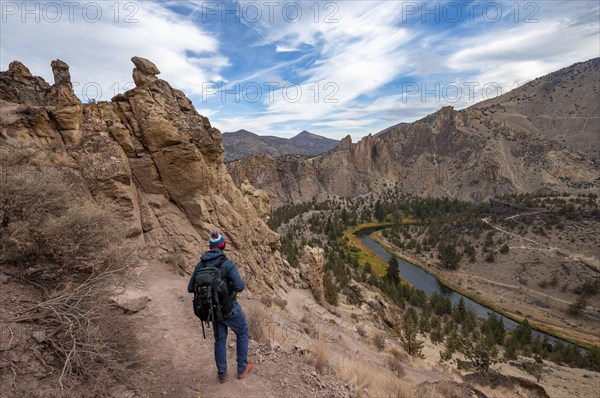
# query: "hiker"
[[235, 319]]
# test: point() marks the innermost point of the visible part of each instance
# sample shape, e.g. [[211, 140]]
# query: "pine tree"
[[481, 351], [392, 274], [449, 256], [409, 334], [459, 311], [495, 326]]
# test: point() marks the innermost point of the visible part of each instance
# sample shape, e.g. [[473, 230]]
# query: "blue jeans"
[[237, 323]]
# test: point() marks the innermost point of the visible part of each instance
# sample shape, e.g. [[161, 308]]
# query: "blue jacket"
[[228, 269]]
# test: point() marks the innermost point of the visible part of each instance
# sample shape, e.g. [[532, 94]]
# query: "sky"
[[330, 67]]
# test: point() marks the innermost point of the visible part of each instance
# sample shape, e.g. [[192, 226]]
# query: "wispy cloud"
[[346, 66], [99, 52]]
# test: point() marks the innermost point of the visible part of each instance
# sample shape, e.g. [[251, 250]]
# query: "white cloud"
[[358, 50], [99, 53], [284, 49], [512, 56]]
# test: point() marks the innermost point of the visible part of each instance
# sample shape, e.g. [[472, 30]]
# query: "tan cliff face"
[[149, 157], [523, 141]]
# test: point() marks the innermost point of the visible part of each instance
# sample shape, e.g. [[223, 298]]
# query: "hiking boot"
[[223, 379], [247, 370]]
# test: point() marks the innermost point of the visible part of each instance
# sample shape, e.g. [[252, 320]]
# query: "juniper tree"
[[449, 256], [392, 274], [481, 351], [409, 334]]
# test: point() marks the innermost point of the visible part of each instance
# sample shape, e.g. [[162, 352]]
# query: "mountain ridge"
[[499, 146], [243, 143]]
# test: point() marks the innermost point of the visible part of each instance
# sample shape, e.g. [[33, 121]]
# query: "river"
[[428, 283]]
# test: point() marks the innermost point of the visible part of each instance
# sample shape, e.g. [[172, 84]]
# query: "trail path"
[[591, 262], [515, 287], [178, 362]]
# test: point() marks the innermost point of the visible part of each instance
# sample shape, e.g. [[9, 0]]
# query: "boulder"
[[312, 261], [258, 198], [131, 300], [373, 302], [144, 72], [145, 66]]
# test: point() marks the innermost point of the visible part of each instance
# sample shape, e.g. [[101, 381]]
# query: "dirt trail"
[[591, 262], [514, 287], [178, 362]]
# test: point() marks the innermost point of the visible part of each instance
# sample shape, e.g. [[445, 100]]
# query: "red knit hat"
[[216, 241]]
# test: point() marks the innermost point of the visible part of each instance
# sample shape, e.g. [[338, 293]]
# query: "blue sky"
[[330, 67]]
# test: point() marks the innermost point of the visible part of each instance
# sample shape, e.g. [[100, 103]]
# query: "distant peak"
[[241, 132], [305, 134], [345, 143]]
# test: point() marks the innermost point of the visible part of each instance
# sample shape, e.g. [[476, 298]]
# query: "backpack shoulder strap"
[[221, 262]]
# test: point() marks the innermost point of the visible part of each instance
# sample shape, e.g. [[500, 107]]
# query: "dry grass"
[[59, 240], [370, 380], [257, 319], [396, 366], [321, 356], [400, 355], [444, 389]]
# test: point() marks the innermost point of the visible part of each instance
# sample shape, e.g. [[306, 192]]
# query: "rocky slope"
[[243, 143], [156, 164], [542, 136], [146, 155]]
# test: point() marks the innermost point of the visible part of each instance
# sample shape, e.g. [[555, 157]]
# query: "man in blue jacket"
[[236, 321]]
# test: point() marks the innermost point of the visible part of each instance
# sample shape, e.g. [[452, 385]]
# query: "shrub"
[[330, 290], [66, 245], [396, 366], [379, 341], [257, 318], [360, 329], [449, 256], [321, 356], [578, 306]]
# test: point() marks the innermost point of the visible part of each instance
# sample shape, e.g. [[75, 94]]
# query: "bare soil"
[[180, 362]]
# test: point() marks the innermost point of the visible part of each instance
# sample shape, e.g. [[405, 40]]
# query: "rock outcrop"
[[373, 302], [541, 137], [258, 198], [148, 157], [312, 262], [309, 273], [144, 72]]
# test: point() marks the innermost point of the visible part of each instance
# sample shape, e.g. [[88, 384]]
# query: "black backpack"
[[212, 301]]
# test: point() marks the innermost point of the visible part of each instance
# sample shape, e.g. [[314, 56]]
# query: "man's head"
[[216, 240]]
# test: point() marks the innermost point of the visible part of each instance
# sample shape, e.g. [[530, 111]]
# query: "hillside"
[[243, 143], [106, 208], [532, 139]]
